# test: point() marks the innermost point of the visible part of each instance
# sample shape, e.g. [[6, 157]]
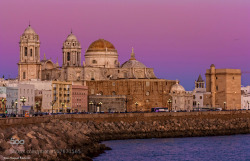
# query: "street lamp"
[[23, 100], [100, 104], [169, 102], [52, 104], [90, 104], [136, 104], [62, 105], [37, 103], [3, 104], [225, 105], [16, 106], [198, 106]]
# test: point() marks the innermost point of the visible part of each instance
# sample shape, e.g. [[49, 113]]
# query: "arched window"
[[94, 61], [25, 51], [113, 93], [30, 52], [68, 56]]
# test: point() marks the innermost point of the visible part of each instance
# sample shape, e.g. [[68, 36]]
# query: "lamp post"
[[90, 104], [248, 105], [100, 104], [62, 106], [136, 104], [224, 105], [23, 100], [16, 106], [3, 104], [198, 106], [169, 102], [37, 104], [52, 104]]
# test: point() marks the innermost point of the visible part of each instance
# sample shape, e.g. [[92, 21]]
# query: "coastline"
[[80, 137]]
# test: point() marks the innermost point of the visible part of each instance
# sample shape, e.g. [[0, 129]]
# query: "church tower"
[[200, 85], [29, 66], [71, 52]]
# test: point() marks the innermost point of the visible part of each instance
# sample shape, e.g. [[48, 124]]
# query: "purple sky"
[[180, 39]]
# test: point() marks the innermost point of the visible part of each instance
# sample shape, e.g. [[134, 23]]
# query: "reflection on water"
[[234, 147]]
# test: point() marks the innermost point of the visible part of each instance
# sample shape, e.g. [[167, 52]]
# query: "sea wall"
[[77, 137]]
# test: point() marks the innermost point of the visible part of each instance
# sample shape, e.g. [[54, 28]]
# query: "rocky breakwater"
[[56, 140], [78, 138]]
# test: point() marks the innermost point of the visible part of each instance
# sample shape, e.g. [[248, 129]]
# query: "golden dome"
[[101, 45]]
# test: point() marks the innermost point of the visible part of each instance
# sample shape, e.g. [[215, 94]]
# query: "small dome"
[[71, 37], [29, 30], [177, 88], [133, 64], [101, 45]]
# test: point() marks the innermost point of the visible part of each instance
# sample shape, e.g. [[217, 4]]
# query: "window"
[[200, 97], [30, 52], [25, 51], [113, 93], [193, 96], [233, 77], [115, 62], [217, 88], [68, 56], [94, 61], [216, 77], [24, 75]]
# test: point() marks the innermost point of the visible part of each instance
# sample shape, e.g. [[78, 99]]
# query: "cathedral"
[[101, 62], [133, 83]]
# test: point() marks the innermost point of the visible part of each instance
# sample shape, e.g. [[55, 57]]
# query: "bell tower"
[[71, 52], [29, 66]]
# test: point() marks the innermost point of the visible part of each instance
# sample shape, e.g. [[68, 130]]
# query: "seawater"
[[222, 148]]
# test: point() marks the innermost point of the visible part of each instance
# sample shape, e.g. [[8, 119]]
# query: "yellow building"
[[62, 96]]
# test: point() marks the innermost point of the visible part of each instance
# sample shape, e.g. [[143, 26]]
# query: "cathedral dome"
[[71, 37], [29, 30], [101, 45], [133, 64], [177, 88]]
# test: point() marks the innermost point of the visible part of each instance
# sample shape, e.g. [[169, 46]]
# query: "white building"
[[28, 92], [199, 93], [12, 98], [245, 97]]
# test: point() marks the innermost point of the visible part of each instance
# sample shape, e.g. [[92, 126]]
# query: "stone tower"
[[225, 87], [29, 66], [71, 51]]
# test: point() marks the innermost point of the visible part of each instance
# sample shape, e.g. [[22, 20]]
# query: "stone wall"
[[82, 133]]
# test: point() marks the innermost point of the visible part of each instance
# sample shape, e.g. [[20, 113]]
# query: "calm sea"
[[222, 148]]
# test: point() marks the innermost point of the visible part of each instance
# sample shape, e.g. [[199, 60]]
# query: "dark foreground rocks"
[[79, 139]]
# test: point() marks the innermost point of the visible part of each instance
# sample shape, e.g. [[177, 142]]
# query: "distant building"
[[12, 98], [79, 98], [245, 98], [225, 87], [181, 100], [200, 96], [26, 91], [62, 96]]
